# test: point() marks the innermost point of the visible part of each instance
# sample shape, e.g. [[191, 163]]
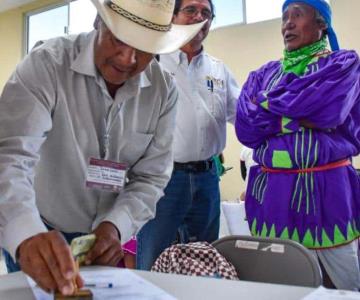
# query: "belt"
[[333, 165], [194, 166]]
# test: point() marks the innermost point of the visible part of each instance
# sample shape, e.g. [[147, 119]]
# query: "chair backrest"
[[270, 260]]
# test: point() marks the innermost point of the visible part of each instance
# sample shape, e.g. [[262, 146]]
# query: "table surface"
[[15, 287]]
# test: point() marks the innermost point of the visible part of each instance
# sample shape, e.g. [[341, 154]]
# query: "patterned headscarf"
[[325, 11]]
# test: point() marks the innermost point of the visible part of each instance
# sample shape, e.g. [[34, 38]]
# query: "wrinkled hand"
[[46, 257], [107, 249]]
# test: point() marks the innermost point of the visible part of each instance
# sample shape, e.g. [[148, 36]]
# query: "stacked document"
[[112, 284]]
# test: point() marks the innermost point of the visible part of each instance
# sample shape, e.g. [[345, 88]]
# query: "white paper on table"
[[326, 294], [235, 217], [125, 284], [39, 294]]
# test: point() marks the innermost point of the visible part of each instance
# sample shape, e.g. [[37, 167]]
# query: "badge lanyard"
[[104, 174], [108, 124]]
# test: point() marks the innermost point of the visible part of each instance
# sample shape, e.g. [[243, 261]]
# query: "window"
[[231, 12], [78, 16], [261, 10], [72, 18], [46, 24], [82, 15], [228, 12]]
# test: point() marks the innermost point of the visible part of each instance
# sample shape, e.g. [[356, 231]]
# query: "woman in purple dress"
[[301, 115]]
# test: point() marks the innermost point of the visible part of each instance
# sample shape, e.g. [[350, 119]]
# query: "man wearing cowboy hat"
[[77, 115], [207, 97]]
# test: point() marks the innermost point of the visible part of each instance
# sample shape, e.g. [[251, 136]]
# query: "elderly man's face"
[[300, 27], [117, 61], [192, 12]]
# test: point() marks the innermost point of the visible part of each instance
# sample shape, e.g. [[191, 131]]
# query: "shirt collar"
[[180, 56], [84, 61], [133, 86], [141, 80]]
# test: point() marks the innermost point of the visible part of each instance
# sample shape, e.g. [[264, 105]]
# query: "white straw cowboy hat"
[[146, 24]]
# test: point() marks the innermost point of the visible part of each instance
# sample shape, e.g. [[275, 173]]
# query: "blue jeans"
[[13, 266], [189, 211]]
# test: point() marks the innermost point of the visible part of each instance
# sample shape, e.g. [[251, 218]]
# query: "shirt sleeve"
[[232, 92], [323, 98], [25, 119], [254, 123], [148, 177]]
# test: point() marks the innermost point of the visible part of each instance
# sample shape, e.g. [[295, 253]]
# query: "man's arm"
[[322, 99], [232, 92], [254, 124], [25, 118]]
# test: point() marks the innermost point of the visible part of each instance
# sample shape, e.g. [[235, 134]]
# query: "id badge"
[[106, 175]]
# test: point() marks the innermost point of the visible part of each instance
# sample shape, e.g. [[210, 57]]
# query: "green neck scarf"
[[297, 61]]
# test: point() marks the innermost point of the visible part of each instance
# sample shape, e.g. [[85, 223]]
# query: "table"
[[14, 286]]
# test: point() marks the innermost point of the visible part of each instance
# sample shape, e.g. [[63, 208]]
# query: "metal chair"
[[270, 260]]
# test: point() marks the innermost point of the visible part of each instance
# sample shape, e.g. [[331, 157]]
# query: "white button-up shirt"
[[52, 113], [208, 94]]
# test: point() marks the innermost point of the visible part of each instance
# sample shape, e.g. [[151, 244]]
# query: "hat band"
[[136, 19]]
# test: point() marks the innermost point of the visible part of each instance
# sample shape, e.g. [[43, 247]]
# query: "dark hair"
[[179, 2]]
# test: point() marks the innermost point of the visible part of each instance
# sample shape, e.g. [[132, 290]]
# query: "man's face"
[[192, 12], [117, 61], [300, 27]]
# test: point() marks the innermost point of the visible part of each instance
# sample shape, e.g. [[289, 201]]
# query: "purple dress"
[[319, 209]]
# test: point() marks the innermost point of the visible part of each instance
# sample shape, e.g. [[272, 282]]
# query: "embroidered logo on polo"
[[214, 83]]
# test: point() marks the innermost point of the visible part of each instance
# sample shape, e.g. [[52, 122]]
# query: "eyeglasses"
[[191, 11]]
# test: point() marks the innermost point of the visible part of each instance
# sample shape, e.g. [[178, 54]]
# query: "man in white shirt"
[[207, 97], [76, 115]]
